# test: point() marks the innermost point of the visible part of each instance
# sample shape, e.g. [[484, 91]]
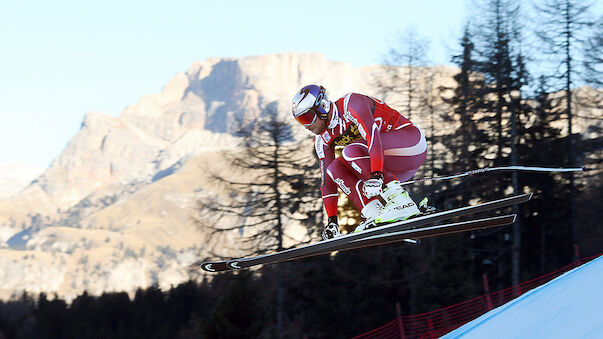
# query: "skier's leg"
[[405, 151], [349, 182], [357, 158]]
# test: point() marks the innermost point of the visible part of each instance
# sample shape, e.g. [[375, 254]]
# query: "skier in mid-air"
[[382, 148]]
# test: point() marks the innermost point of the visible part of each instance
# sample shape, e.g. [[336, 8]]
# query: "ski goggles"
[[307, 118]]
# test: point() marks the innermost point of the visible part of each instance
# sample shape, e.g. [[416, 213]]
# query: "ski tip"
[[207, 266], [234, 265]]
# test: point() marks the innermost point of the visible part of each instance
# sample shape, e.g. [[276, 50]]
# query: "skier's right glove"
[[373, 186], [331, 230]]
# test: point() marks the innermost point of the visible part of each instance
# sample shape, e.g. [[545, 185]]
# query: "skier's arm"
[[328, 188], [361, 109]]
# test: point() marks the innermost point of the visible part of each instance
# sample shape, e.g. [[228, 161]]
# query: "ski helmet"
[[310, 102]]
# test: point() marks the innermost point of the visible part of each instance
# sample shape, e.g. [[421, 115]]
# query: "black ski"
[[331, 245], [389, 238], [420, 233]]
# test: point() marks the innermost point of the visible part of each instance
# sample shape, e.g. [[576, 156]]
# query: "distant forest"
[[523, 85]]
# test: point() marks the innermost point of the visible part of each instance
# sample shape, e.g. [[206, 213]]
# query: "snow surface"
[[570, 306]]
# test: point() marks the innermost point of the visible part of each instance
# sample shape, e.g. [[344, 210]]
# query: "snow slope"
[[570, 306]]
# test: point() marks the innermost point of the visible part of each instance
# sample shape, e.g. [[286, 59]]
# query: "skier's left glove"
[[373, 186], [331, 230]]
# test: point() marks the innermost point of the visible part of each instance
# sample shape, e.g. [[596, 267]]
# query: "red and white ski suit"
[[375, 138]]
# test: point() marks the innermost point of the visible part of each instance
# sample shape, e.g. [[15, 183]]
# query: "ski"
[[393, 237], [330, 245], [420, 233]]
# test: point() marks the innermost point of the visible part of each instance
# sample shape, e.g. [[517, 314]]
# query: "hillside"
[[567, 307]]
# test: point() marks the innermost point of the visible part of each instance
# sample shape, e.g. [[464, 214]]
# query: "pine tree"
[[150, 313], [446, 261], [562, 28], [82, 315], [502, 64], [51, 317], [593, 57], [545, 235], [238, 313], [468, 143], [404, 69], [280, 186], [189, 305]]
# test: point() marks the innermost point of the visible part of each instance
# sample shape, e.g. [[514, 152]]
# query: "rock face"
[[196, 111]]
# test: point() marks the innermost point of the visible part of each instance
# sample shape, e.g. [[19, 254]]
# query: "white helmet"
[[310, 102]]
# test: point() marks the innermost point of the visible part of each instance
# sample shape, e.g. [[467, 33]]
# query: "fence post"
[[430, 326], [487, 291], [400, 325], [577, 259]]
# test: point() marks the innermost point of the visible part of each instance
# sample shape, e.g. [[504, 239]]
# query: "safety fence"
[[436, 323]]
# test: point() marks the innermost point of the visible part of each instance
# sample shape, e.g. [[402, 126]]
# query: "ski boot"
[[399, 205], [369, 213], [426, 209]]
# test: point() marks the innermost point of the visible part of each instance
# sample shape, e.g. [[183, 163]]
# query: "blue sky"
[[61, 59]]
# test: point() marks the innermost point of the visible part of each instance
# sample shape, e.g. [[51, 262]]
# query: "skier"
[[381, 149]]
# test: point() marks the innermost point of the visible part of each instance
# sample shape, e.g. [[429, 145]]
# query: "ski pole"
[[492, 169]]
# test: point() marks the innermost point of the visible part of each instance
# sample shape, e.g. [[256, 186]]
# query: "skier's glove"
[[373, 186], [331, 230]]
